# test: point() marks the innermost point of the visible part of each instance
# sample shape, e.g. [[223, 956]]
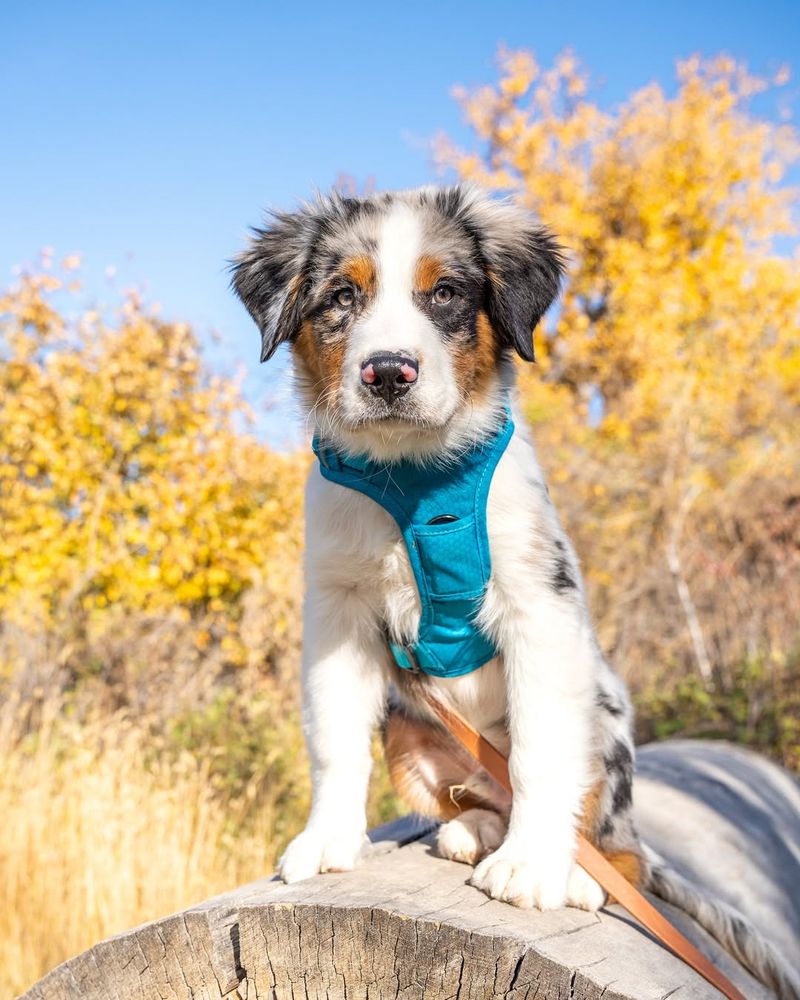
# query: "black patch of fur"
[[621, 797], [457, 317], [563, 579], [619, 767], [448, 201], [276, 261], [619, 759], [523, 287], [604, 701], [354, 208], [607, 828]]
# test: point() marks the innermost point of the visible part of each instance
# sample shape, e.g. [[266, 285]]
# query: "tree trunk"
[[406, 924]]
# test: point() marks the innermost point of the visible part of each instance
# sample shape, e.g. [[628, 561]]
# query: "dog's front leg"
[[549, 662], [344, 682]]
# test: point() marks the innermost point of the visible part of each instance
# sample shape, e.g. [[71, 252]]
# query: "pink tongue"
[[368, 374], [408, 373]]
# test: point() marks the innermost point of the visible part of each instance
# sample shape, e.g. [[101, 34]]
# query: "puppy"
[[404, 312], [454, 283]]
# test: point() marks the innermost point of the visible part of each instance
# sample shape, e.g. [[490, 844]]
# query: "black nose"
[[389, 375]]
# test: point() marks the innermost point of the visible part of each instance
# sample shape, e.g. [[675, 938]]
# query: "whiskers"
[[439, 440], [323, 417]]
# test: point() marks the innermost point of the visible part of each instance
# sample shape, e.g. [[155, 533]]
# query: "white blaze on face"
[[395, 324]]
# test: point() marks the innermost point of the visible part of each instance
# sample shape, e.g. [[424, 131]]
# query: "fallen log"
[[406, 924]]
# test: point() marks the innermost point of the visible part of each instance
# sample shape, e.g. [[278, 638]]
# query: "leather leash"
[[589, 858]]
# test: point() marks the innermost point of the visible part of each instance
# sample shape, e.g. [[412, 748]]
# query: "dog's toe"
[[302, 858], [341, 853], [513, 876], [471, 836], [312, 852], [583, 891]]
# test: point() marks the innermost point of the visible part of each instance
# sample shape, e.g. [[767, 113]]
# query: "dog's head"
[[402, 308]]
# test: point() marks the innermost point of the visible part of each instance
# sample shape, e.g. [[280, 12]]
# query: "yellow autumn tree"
[[133, 496], [666, 399]]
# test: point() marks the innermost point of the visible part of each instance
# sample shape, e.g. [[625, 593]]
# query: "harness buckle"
[[398, 649]]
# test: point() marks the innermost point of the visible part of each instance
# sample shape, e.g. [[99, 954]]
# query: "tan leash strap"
[[589, 858]]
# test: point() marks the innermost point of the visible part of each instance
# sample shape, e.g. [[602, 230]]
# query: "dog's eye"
[[344, 297], [443, 294]]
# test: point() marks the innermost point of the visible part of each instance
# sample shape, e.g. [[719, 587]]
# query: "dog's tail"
[[727, 926]]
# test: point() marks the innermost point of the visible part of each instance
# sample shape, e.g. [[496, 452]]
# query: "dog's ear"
[[270, 274], [523, 262]]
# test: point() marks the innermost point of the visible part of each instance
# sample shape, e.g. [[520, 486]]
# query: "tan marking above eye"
[[429, 271], [361, 271]]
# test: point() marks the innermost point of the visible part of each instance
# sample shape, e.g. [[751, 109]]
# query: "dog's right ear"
[[270, 274], [523, 262]]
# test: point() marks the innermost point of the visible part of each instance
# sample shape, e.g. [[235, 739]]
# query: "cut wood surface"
[[406, 924]]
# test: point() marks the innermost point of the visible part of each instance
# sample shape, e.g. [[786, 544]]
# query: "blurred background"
[[151, 471]]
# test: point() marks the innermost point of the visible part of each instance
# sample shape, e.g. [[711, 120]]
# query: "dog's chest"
[[380, 568], [354, 544]]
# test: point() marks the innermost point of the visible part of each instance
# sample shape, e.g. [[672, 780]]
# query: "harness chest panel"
[[441, 512]]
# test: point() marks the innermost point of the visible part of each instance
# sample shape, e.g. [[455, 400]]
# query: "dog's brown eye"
[[344, 298], [443, 294]]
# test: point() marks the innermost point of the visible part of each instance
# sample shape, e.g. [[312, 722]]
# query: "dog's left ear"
[[524, 266], [269, 275]]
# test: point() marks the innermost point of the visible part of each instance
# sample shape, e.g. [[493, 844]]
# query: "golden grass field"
[[105, 829], [94, 842]]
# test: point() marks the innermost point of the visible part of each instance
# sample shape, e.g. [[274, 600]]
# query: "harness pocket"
[[451, 559]]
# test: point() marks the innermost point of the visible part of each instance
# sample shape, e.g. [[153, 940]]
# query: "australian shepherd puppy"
[[405, 312], [451, 285]]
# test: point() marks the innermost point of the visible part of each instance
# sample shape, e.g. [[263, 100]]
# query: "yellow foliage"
[[128, 477], [665, 401]]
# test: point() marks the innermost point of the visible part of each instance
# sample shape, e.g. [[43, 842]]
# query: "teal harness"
[[441, 512]]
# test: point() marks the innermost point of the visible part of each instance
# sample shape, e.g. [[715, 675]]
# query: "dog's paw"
[[523, 878], [583, 891], [313, 851], [471, 836]]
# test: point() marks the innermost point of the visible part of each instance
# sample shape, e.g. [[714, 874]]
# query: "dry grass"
[[95, 840], [111, 820]]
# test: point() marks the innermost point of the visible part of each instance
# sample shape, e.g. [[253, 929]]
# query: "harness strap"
[[588, 857]]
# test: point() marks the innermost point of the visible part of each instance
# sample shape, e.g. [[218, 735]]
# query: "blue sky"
[[148, 136]]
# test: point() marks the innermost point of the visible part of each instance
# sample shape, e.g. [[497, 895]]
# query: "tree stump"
[[406, 924]]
